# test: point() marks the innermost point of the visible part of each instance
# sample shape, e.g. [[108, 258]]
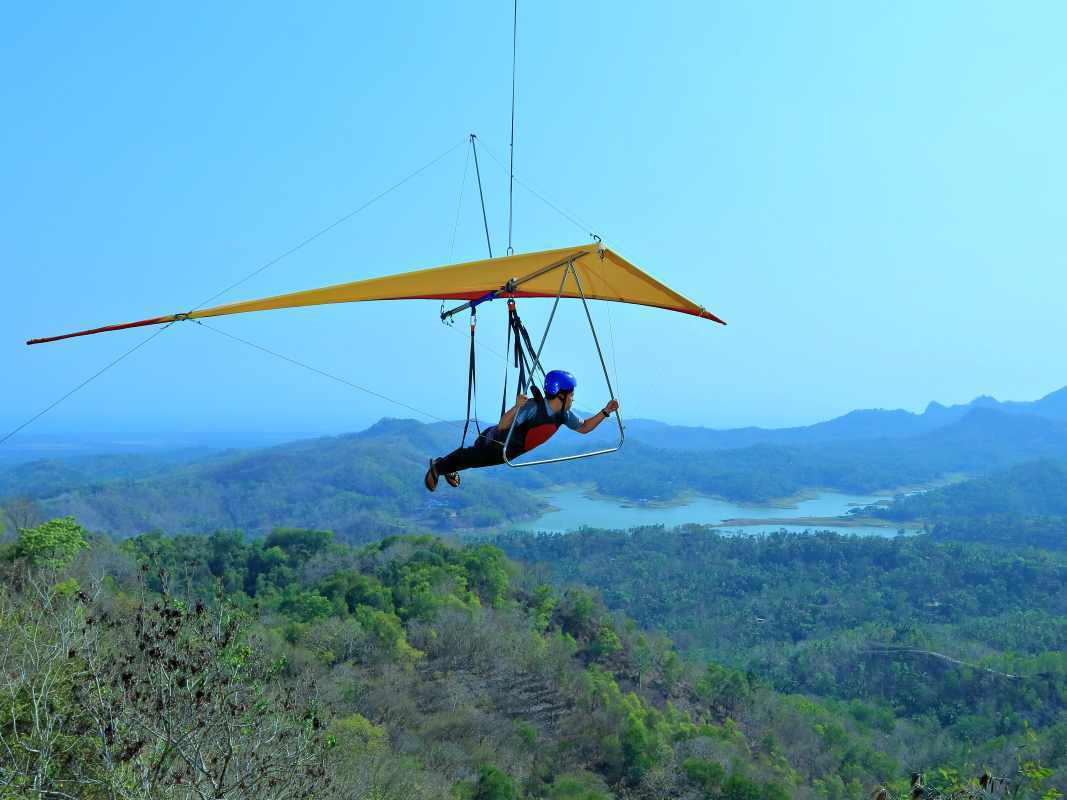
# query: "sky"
[[870, 194]]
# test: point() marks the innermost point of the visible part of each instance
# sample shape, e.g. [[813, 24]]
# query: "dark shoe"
[[431, 476], [453, 479]]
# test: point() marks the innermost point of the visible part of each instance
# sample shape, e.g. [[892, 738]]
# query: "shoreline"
[[688, 496], [820, 522]]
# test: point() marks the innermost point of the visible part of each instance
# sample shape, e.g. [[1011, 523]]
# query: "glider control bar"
[[570, 270]]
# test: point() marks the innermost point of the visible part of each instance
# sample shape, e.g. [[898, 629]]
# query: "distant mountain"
[[986, 439], [863, 424], [1052, 405], [860, 424], [982, 441]]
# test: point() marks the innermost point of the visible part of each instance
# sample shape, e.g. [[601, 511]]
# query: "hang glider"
[[603, 275]]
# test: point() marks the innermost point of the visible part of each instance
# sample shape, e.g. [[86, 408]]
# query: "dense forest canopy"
[[957, 643], [416, 668]]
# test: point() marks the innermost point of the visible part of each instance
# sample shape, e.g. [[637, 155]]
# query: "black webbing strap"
[[514, 344], [507, 347], [520, 354], [534, 363], [523, 355], [472, 388]]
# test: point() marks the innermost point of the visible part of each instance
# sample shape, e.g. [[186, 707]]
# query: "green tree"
[[53, 543], [606, 643], [724, 688], [493, 784], [299, 544], [304, 606], [579, 786], [738, 787], [706, 774]]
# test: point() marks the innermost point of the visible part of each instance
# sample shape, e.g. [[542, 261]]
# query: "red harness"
[[537, 430], [539, 435]]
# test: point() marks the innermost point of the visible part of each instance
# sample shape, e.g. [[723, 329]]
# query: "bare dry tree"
[[987, 787], [42, 625], [173, 703], [185, 707], [18, 513]]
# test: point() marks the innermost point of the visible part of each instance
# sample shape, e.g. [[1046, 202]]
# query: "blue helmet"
[[559, 381]]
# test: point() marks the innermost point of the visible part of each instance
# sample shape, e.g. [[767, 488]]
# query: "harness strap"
[[523, 356], [520, 354], [472, 388], [507, 347], [526, 359]]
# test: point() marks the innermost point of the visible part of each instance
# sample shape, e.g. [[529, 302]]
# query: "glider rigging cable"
[[459, 206], [478, 172], [331, 226], [511, 181], [582, 226], [84, 383], [322, 372], [248, 277]]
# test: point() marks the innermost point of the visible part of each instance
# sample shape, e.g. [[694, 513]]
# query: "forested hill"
[[47, 477], [372, 480], [1036, 488], [359, 485], [1023, 505]]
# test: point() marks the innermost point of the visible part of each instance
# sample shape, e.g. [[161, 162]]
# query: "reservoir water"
[[573, 510]]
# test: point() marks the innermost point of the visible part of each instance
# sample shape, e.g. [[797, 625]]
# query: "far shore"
[[687, 496], [819, 522]]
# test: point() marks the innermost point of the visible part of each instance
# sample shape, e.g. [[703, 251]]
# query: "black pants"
[[485, 452]]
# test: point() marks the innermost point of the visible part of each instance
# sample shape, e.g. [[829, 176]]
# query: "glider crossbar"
[[603, 364], [513, 284]]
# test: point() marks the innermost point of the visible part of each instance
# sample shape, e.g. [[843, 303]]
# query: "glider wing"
[[604, 274]]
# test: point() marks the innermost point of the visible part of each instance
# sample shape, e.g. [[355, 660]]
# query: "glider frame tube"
[[515, 283], [603, 364]]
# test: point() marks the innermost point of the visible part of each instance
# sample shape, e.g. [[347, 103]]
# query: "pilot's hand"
[[612, 406], [520, 400]]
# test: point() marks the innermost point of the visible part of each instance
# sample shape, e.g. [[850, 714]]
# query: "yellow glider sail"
[[604, 275]]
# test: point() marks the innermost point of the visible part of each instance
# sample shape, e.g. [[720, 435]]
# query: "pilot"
[[535, 421]]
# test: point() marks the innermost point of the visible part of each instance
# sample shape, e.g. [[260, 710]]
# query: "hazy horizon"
[[222, 438]]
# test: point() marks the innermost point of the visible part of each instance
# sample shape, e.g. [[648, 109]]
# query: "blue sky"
[[870, 194]]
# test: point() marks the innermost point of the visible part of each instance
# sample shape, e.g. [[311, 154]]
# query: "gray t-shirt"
[[570, 419]]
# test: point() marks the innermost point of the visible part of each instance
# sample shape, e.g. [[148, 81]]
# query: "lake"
[[575, 510]]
